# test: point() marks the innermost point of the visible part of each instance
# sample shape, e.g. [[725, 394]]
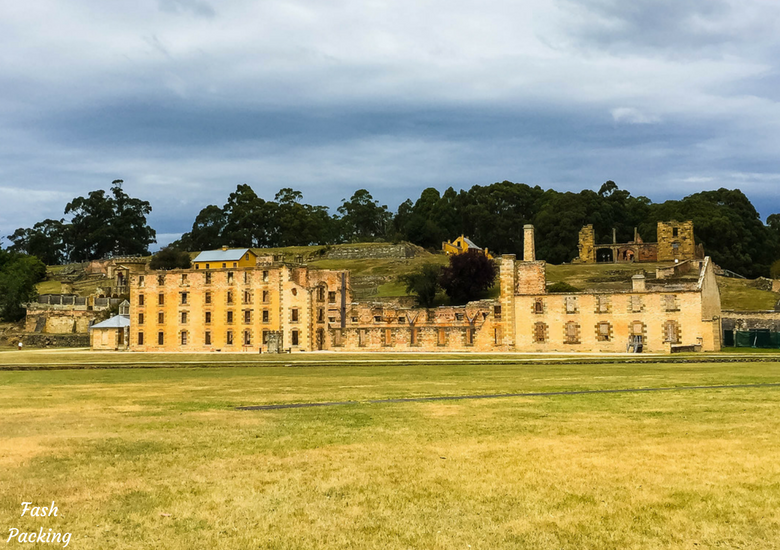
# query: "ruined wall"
[[375, 327], [675, 241], [646, 252], [751, 320], [507, 288], [53, 340], [530, 278], [587, 245], [346, 252], [60, 319], [676, 270]]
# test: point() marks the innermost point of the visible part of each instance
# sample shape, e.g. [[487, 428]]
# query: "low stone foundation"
[[52, 340], [346, 252]]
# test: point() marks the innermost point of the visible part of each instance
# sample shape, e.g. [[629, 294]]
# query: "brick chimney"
[[529, 247], [638, 283]]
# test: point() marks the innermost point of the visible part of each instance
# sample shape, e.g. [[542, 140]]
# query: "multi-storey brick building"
[[273, 307], [235, 309]]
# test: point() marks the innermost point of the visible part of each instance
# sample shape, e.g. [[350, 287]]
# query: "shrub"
[[423, 283], [468, 275], [171, 258], [562, 287]]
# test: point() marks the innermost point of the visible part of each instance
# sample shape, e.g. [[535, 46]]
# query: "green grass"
[[750, 350], [117, 449], [738, 294], [50, 286]]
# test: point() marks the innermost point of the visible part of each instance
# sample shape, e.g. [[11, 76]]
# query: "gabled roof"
[[117, 321], [471, 243], [229, 255]]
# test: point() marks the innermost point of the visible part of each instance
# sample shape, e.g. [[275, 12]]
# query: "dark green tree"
[[108, 225], [45, 240], [363, 218], [774, 270], [299, 224], [248, 219], [423, 283], [207, 231], [467, 276], [171, 258], [494, 215], [19, 274]]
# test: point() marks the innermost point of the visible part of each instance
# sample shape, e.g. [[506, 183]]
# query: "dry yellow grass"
[[116, 449]]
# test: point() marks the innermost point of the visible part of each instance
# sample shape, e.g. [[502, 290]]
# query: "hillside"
[[377, 277]]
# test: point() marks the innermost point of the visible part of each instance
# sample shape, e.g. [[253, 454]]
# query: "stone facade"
[[587, 245], [65, 314], [281, 307], [675, 242], [52, 340], [606, 321], [376, 327], [236, 309], [347, 252], [751, 320], [109, 339]]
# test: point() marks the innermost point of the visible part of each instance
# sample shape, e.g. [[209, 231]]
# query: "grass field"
[[161, 458]]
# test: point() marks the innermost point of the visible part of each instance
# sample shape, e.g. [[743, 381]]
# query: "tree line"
[[105, 224]]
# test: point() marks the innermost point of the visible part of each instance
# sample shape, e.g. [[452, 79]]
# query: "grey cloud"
[[680, 28], [666, 98], [196, 7]]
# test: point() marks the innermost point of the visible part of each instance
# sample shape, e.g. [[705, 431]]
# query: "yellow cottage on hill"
[[225, 258], [463, 244]]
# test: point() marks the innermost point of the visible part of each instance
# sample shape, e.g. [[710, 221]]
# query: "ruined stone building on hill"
[[675, 243]]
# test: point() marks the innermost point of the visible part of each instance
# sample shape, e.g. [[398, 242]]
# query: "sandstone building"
[[233, 309], [276, 307], [462, 244], [675, 242]]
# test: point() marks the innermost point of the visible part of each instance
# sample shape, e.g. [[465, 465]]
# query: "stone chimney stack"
[[529, 247], [225, 247], [638, 283], [614, 236]]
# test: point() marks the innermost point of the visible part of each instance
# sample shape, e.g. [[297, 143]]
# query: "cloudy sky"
[[185, 99]]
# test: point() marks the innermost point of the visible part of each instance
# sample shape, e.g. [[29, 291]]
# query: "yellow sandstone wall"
[[653, 314], [236, 291], [107, 339], [686, 246], [587, 245]]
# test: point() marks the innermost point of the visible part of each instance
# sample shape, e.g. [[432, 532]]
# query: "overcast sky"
[[185, 99]]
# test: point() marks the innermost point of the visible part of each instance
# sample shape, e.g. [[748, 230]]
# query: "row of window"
[[266, 316], [184, 298], [246, 338], [320, 293], [388, 336], [604, 304], [572, 333]]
